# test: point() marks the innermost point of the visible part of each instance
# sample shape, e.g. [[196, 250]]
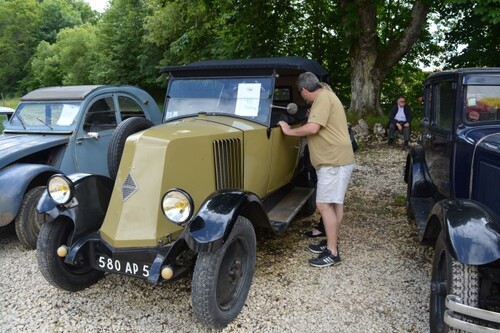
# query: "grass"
[[10, 103]]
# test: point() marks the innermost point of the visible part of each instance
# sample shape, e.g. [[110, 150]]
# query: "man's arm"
[[305, 130]]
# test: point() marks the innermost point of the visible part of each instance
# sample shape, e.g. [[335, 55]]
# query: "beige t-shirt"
[[331, 146]]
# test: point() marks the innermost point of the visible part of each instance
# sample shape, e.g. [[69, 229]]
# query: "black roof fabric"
[[282, 65]]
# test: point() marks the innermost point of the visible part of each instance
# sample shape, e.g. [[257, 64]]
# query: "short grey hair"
[[308, 81]]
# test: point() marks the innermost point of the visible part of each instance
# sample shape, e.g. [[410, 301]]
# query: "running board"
[[285, 210]]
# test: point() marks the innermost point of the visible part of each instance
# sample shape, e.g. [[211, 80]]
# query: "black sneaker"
[[326, 258], [318, 248]]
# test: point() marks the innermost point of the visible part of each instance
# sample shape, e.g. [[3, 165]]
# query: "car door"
[[94, 135], [285, 152], [438, 135]]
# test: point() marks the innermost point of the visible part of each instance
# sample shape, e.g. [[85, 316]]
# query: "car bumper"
[[148, 263], [455, 310]]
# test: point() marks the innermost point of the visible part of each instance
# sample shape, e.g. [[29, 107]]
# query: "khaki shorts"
[[333, 183]]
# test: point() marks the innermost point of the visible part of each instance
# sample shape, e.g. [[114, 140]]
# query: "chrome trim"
[[473, 161], [456, 308]]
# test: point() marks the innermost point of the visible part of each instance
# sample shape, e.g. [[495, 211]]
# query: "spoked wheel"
[[222, 280], [28, 220], [449, 276], [53, 235]]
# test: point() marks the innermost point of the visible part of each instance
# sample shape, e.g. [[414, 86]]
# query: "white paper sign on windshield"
[[248, 98], [68, 114]]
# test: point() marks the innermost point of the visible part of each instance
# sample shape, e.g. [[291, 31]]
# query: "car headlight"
[[61, 189], [177, 206]]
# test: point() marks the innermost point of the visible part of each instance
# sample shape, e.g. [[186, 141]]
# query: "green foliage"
[[54, 42], [123, 54], [473, 38], [181, 31], [29, 26], [19, 22]]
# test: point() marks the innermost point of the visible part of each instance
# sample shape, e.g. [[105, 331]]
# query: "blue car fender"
[[471, 230], [218, 214], [87, 208], [14, 182]]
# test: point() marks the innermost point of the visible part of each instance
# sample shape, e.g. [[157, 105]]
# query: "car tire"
[[28, 220], [53, 235], [117, 143], [222, 279], [449, 276]]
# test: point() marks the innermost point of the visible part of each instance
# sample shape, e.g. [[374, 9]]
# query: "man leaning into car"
[[332, 157]]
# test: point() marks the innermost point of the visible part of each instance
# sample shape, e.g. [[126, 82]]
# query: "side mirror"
[[292, 108]]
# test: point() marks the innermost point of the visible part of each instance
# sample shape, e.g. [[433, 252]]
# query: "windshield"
[[248, 98], [482, 104], [50, 116]]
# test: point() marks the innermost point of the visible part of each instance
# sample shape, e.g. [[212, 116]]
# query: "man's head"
[[308, 85], [401, 101]]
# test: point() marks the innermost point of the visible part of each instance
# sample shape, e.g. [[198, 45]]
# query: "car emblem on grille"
[[129, 187]]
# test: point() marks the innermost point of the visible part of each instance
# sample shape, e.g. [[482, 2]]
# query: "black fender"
[[89, 206], [417, 173], [15, 181], [217, 215], [471, 230]]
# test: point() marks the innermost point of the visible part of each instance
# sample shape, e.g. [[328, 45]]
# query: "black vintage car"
[[453, 194]]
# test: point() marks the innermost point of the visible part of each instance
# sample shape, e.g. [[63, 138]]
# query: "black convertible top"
[[280, 65]]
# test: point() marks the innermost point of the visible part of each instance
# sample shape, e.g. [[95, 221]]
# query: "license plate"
[[106, 263]]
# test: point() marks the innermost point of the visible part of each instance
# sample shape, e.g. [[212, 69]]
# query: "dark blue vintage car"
[[60, 129], [453, 194]]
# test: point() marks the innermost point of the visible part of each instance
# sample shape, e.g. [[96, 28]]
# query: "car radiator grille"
[[227, 161]]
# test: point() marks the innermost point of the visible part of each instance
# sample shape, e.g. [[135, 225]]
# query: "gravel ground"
[[382, 284]]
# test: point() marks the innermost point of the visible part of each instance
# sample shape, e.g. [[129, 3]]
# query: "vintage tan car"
[[190, 192]]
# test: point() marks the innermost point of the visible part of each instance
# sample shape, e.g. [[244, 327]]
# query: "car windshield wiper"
[[41, 120], [20, 120]]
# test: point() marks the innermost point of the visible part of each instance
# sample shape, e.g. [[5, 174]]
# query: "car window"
[[243, 97], [482, 104], [443, 105], [53, 115], [100, 116], [129, 108]]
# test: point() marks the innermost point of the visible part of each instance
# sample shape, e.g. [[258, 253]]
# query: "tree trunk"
[[370, 61]]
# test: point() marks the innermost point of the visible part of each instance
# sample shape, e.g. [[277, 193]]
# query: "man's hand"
[[398, 125], [284, 126]]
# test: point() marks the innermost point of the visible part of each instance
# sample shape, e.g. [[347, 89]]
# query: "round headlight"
[[177, 206], [60, 189]]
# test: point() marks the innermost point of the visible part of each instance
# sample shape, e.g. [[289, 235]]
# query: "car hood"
[[16, 146]]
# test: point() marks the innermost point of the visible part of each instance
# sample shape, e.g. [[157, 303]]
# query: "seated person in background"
[[400, 119], [473, 115]]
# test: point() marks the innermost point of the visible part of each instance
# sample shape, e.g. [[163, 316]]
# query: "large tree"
[[124, 56], [372, 57]]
